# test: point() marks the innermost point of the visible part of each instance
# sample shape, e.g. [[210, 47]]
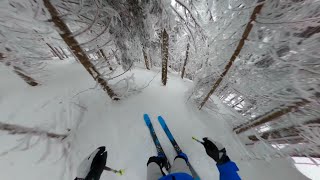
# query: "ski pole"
[[119, 172], [197, 140]]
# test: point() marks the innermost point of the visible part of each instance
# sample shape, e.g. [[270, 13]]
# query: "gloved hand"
[[92, 166], [215, 150]]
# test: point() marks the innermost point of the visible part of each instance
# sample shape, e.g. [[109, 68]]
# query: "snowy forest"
[[78, 74]]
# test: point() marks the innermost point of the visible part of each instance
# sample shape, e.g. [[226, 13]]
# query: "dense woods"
[[260, 58]]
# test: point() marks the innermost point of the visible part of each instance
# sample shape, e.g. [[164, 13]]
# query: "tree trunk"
[[235, 54], [55, 51], [66, 35], [150, 59], [273, 115], [64, 53], [29, 80], [165, 55], [16, 129], [105, 58], [145, 56], [185, 61]]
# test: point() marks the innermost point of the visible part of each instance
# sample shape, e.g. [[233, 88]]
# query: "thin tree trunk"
[[185, 61], [59, 53], [165, 55], [29, 80], [245, 35], [105, 58], [64, 53], [145, 56], [150, 59], [272, 116], [66, 35], [17, 129], [56, 53]]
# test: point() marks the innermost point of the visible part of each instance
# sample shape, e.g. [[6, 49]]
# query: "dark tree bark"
[[271, 116], [29, 80], [245, 35], [145, 56], [106, 59], [150, 60], [165, 56], [17, 129], [185, 61], [73, 44]]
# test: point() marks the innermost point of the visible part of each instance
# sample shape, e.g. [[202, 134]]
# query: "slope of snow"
[[64, 98]]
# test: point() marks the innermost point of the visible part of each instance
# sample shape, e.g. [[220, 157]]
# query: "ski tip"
[[160, 119], [146, 119]]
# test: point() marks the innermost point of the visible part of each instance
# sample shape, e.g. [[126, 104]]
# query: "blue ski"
[[156, 140], [175, 145]]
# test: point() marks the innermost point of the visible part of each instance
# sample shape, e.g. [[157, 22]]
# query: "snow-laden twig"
[[17, 129]]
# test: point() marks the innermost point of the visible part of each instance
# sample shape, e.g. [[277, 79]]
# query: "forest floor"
[[64, 98]]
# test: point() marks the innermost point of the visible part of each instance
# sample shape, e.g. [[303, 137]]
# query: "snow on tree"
[[67, 36]]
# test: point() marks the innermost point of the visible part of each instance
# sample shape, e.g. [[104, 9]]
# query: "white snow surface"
[[57, 105]]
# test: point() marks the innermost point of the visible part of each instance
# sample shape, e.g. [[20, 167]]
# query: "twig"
[[121, 73]]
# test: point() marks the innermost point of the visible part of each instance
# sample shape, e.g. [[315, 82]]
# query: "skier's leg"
[[180, 165], [154, 171]]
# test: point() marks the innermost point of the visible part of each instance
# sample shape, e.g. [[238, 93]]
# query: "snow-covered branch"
[[17, 129]]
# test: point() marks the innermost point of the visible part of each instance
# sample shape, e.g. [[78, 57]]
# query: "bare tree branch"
[[17, 129]]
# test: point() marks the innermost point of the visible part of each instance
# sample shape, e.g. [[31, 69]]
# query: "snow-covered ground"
[[65, 98]]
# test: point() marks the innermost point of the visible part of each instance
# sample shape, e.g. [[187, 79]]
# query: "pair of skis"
[[175, 145]]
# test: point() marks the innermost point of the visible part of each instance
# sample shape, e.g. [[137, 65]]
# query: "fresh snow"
[[68, 98]]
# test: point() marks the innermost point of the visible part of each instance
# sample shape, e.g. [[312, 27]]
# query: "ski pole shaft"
[[120, 172], [197, 140]]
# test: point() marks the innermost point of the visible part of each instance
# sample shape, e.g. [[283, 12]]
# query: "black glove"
[[92, 166], [216, 151], [161, 161]]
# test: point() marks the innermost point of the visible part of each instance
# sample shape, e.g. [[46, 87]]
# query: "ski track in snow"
[[117, 125]]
